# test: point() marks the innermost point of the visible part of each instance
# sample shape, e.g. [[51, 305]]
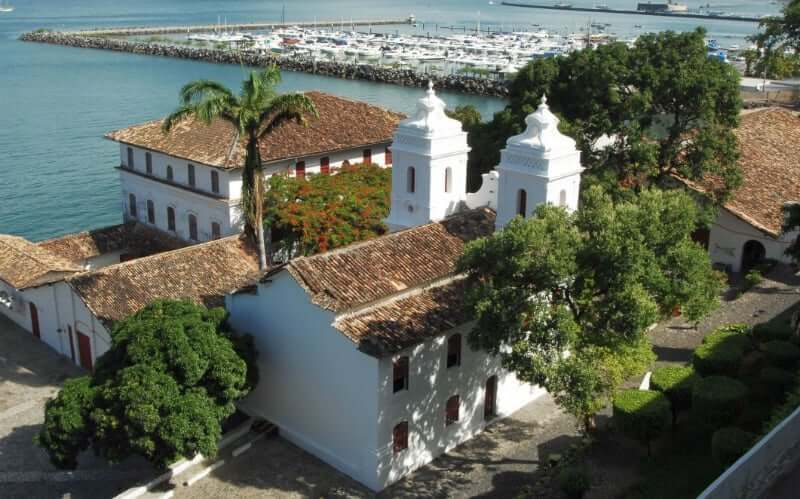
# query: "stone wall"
[[350, 71]]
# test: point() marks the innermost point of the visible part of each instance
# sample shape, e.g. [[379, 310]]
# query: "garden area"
[[694, 421]]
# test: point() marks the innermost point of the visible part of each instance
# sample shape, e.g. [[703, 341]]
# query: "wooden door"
[[490, 398], [85, 351], [35, 321]]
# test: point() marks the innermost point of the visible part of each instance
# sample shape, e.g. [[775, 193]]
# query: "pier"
[[208, 28], [680, 15]]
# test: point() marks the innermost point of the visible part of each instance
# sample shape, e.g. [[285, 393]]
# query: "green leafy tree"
[[667, 107], [255, 112], [587, 283], [170, 378], [328, 211], [778, 41]]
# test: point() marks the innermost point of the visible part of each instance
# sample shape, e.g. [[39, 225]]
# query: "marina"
[[602, 8]]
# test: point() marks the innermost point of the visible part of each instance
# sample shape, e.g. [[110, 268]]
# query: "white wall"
[[206, 209], [431, 383], [729, 234], [314, 385], [354, 156]]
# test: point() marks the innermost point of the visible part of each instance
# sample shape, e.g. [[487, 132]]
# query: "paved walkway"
[[30, 373]]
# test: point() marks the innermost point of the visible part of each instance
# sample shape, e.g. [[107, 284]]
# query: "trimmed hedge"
[[676, 383], [718, 357], [574, 481], [777, 381], [717, 400], [781, 353], [768, 331], [730, 339], [641, 414], [729, 444]]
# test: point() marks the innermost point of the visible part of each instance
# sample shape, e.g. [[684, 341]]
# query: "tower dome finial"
[[544, 100]]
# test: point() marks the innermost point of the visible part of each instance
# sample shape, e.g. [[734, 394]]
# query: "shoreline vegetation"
[[463, 83]]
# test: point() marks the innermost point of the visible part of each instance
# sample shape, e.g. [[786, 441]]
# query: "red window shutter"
[[300, 169], [367, 156], [451, 410], [325, 165], [387, 158], [400, 437]]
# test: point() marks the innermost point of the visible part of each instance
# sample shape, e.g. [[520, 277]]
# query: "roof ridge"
[[157, 255]]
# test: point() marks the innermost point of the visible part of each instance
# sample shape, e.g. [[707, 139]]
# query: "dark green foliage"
[[784, 410], [720, 353], [676, 383], [641, 414], [752, 279], [736, 327], [777, 381], [777, 41], [66, 431], [609, 271], [717, 400], [729, 444], [654, 95], [769, 331], [574, 481], [162, 390], [324, 212], [781, 353]]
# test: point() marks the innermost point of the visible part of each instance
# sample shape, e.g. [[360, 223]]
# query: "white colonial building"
[[748, 228], [188, 182], [377, 378]]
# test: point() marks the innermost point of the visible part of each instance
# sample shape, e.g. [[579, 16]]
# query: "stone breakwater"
[[350, 71]]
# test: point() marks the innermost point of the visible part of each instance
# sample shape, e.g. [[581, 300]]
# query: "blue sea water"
[[56, 170]]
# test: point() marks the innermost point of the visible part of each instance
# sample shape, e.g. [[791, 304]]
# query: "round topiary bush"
[[729, 338], [676, 383], [718, 357], [776, 380], [641, 414], [729, 444], [769, 331], [574, 481], [717, 400], [781, 353]]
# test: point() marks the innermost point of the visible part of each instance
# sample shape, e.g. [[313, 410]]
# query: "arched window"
[[400, 437], [132, 205], [451, 414], [151, 212], [454, 351], [130, 158], [215, 230], [562, 198], [448, 179], [148, 163], [170, 175], [214, 181], [522, 202], [400, 374], [411, 180], [190, 172], [192, 227], [490, 399], [171, 218]]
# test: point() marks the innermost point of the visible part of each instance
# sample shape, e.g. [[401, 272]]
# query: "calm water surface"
[[56, 170]]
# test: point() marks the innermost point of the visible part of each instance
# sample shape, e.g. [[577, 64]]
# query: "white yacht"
[[6, 7]]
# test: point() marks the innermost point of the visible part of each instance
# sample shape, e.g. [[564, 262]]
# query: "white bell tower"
[[429, 171], [540, 165]]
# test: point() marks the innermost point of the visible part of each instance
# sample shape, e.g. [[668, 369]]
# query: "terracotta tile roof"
[[343, 124], [769, 146], [366, 272], [25, 265], [398, 324], [203, 273], [136, 239]]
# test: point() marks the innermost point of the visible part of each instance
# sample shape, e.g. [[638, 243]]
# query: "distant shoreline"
[[684, 15]]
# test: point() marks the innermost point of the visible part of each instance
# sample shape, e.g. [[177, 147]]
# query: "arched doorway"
[[753, 253]]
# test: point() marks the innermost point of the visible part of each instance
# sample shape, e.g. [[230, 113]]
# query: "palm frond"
[[200, 89], [287, 107], [176, 117]]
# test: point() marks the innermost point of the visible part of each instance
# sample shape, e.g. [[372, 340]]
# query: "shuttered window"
[[170, 218], [148, 163], [300, 169], [130, 158], [325, 165], [401, 374], [151, 212], [214, 181], [132, 206], [367, 156], [193, 228], [454, 351], [400, 437], [451, 411], [387, 156], [215, 231], [190, 172]]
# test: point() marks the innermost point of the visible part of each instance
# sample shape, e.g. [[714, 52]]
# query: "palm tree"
[[255, 112]]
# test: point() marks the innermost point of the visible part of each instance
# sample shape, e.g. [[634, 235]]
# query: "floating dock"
[[680, 15]]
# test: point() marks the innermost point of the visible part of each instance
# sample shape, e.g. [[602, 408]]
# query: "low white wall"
[[431, 383], [729, 234], [757, 470], [487, 194]]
